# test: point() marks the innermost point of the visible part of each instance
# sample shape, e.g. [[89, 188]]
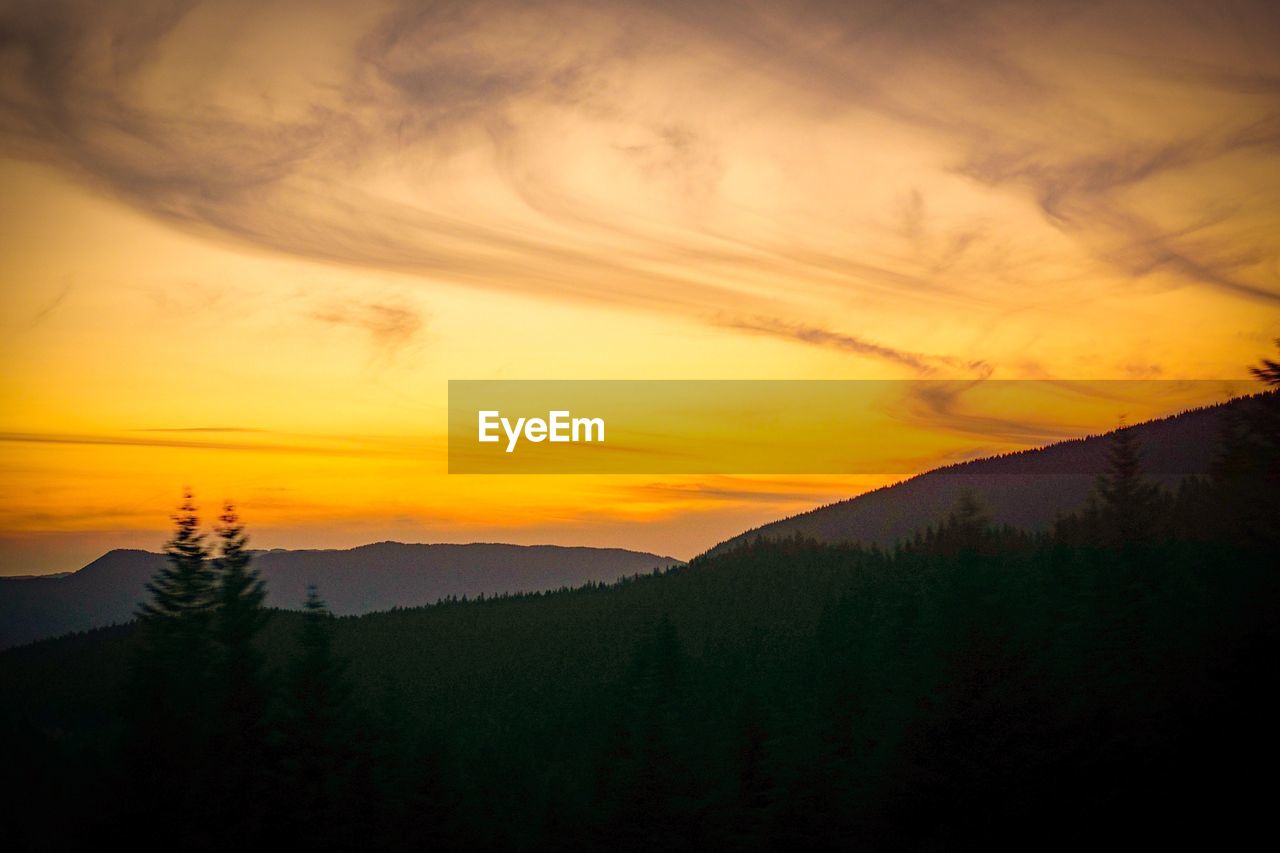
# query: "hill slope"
[[1026, 490], [969, 689], [353, 581], [916, 697]]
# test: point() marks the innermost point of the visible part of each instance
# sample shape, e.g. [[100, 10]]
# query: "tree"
[[1268, 371], [182, 591], [239, 617], [317, 677], [240, 589], [1247, 471], [644, 797], [320, 744], [964, 529], [242, 695], [168, 715], [1128, 501], [198, 697]]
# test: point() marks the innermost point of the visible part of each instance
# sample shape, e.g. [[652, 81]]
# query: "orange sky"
[[245, 245]]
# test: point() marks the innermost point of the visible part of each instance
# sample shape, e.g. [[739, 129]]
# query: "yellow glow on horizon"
[[281, 229]]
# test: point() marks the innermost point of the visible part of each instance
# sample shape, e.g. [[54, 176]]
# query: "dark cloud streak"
[[428, 81]]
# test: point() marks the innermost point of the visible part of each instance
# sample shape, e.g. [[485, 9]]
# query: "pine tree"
[[1268, 372], [240, 589], [182, 592], [755, 787], [1247, 472], [176, 620], [317, 677], [1128, 501], [167, 702], [1264, 423], [645, 803], [963, 530], [240, 615], [241, 729], [319, 739]]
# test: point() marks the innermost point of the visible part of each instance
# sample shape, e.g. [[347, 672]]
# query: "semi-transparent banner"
[[789, 427]]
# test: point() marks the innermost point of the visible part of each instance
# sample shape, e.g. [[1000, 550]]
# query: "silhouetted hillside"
[[973, 689], [1026, 490], [977, 687], [358, 580]]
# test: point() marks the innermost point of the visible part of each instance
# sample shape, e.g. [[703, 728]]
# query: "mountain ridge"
[[363, 579], [1025, 488]]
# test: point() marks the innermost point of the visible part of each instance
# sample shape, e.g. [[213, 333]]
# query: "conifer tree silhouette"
[[1247, 471], [320, 744], [1128, 501], [650, 803], [964, 528], [1268, 372], [241, 689], [182, 591], [168, 715], [240, 589]]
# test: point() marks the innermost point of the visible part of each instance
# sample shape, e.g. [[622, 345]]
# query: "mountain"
[[968, 689], [1026, 490], [358, 580], [908, 701]]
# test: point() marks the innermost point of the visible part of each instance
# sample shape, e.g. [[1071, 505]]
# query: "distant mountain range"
[[1026, 490], [357, 580]]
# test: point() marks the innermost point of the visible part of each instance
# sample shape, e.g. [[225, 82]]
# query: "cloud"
[[288, 445], [918, 362], [1084, 196], [938, 405], [389, 326], [688, 157], [742, 490], [201, 429], [52, 305], [825, 337]]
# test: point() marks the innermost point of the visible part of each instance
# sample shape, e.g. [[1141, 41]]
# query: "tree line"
[[219, 748], [973, 684]]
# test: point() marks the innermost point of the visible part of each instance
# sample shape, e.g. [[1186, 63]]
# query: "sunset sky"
[[245, 245]]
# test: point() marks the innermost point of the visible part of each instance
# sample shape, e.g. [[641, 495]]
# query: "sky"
[[244, 246]]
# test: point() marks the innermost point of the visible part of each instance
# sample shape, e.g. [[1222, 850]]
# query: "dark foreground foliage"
[[1103, 683]]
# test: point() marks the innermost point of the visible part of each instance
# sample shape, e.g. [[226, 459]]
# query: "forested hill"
[[357, 580], [1026, 490], [977, 686]]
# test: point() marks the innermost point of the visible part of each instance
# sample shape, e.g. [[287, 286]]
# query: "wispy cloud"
[[283, 445], [1084, 196], [201, 429], [543, 150], [826, 337], [389, 326], [52, 305], [940, 406], [742, 490], [918, 362]]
